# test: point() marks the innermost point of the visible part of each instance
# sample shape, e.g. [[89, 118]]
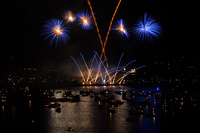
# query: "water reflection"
[[2, 107], [154, 119], [89, 115], [29, 104], [14, 113]]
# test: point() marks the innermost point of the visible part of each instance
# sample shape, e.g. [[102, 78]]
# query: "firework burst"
[[85, 20], [120, 27], [69, 16], [55, 31], [147, 28]]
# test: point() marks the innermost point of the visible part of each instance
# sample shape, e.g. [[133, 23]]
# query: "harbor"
[[112, 109]]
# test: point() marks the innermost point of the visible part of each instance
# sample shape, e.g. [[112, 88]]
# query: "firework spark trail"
[[99, 35], [90, 75], [125, 66], [104, 45], [91, 69], [110, 72], [86, 67], [99, 69], [117, 68], [121, 79], [95, 22], [105, 71], [104, 66], [78, 68], [127, 73], [99, 66], [140, 67]]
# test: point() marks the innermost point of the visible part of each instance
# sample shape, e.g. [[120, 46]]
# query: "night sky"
[[23, 21]]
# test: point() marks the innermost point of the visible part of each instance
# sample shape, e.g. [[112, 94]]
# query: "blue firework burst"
[[55, 31], [147, 28], [85, 20], [69, 17], [121, 28]]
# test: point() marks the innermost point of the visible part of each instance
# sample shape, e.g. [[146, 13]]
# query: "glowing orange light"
[[69, 17], [122, 28], [132, 70], [57, 30], [85, 20]]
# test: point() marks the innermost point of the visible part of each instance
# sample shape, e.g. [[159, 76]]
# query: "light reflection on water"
[[86, 116]]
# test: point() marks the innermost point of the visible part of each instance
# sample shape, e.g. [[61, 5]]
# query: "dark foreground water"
[[31, 116]]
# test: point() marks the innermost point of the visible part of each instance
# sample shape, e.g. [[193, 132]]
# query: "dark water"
[[85, 116]]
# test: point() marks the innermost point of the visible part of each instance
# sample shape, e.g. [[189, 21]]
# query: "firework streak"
[[103, 45], [100, 74]]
